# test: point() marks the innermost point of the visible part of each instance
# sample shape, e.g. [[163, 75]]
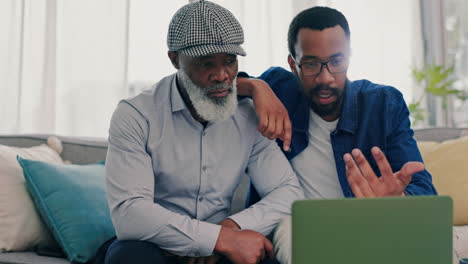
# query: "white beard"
[[209, 108]]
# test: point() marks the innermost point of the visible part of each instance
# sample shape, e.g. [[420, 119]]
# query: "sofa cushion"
[[72, 201], [20, 226], [78, 150], [29, 258], [460, 242], [448, 163]]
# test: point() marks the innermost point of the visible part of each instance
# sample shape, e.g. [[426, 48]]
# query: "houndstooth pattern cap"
[[202, 28]]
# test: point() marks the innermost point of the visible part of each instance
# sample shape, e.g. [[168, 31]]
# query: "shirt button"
[[204, 168], [200, 198]]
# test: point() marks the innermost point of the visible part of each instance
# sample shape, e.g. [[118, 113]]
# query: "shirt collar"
[[349, 114], [177, 103]]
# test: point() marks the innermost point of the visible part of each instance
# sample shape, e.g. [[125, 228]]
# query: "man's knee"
[[130, 251]]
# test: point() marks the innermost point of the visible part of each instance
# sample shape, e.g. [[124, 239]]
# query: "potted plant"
[[436, 80]]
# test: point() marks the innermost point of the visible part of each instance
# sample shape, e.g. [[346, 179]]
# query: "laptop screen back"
[[412, 230]]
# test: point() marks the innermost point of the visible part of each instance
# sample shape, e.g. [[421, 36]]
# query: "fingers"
[[262, 123], [364, 167], [261, 257], [276, 125], [270, 111], [269, 248], [276, 128], [267, 126], [407, 171], [385, 170], [364, 182], [356, 180], [287, 132]]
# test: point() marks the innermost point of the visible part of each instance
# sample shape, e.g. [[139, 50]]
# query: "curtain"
[[455, 25], [63, 66], [434, 54], [148, 61], [384, 49], [385, 41], [10, 66]]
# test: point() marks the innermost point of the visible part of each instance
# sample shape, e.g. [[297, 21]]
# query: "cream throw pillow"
[[20, 225], [448, 164]]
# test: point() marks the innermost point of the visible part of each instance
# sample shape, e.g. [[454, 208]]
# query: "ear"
[[292, 64], [174, 57]]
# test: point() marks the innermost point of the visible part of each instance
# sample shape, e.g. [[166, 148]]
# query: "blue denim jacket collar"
[[349, 114]]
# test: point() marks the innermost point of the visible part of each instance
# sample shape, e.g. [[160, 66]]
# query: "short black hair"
[[317, 18]]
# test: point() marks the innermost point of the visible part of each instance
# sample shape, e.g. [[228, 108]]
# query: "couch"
[[89, 150], [80, 151]]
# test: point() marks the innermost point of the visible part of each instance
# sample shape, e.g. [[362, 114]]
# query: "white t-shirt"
[[315, 165]]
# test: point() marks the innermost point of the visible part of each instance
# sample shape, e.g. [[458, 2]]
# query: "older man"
[[177, 153]]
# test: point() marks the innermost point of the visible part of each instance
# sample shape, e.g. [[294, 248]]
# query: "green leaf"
[[413, 107], [437, 80], [416, 112], [418, 75]]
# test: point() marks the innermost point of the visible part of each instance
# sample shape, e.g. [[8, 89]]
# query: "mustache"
[[318, 89], [220, 86]]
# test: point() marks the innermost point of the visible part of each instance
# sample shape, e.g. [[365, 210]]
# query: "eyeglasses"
[[314, 68]]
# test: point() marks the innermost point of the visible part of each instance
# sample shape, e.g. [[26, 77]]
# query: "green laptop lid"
[[412, 230]]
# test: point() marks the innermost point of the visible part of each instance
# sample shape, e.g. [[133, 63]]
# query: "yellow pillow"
[[448, 163]]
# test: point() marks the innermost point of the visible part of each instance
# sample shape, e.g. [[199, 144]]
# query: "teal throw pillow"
[[71, 200]]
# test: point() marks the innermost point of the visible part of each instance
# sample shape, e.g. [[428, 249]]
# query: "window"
[[456, 30], [66, 64]]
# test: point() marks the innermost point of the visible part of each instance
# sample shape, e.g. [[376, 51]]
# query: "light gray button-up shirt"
[[170, 181]]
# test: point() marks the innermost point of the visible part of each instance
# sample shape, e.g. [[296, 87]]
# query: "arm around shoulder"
[[273, 117]]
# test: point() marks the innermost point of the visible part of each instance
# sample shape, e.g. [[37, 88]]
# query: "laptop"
[[393, 230]]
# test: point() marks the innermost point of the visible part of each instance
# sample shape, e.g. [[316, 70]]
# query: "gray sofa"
[[80, 151], [89, 150]]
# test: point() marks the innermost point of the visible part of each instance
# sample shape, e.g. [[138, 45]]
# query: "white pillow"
[[20, 225], [460, 243]]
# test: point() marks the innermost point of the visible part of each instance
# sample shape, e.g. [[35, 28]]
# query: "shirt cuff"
[[207, 236], [243, 220]]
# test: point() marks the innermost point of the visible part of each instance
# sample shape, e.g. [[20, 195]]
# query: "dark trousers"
[[142, 252]]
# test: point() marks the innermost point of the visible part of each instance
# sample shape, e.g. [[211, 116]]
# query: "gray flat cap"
[[202, 28]]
